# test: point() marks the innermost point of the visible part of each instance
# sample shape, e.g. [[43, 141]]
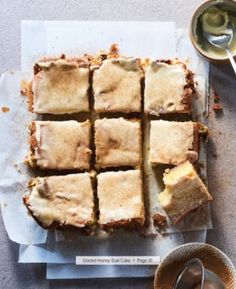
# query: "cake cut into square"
[[60, 145], [62, 201], [184, 191], [118, 142], [173, 142], [117, 86], [120, 199], [60, 87], [169, 88]]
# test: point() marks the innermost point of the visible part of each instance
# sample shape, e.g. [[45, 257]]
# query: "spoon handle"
[[231, 59]]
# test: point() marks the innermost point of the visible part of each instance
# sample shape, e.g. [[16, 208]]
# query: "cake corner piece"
[[45, 205], [169, 87], [60, 77]]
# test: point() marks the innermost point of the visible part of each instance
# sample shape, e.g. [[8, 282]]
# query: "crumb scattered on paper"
[[217, 107], [214, 155], [216, 96], [24, 87], [159, 220], [5, 109]]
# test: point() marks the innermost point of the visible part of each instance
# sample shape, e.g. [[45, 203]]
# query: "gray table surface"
[[221, 153]]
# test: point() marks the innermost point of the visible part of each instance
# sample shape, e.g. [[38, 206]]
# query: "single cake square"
[[184, 191], [118, 142], [173, 142], [169, 88], [120, 199], [61, 201], [117, 86], [60, 145], [60, 87]]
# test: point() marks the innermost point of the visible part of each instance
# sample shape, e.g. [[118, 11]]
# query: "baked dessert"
[[173, 142], [60, 86], [184, 191], [169, 88], [60, 145], [120, 199], [62, 201], [117, 85], [118, 142]]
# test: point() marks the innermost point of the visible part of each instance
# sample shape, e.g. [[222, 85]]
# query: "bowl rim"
[[230, 263], [192, 38]]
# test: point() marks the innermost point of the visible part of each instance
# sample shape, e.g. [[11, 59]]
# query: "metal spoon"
[[223, 41], [195, 276]]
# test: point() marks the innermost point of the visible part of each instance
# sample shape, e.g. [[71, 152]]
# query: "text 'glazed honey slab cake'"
[[118, 142], [62, 201], [60, 145], [120, 198], [60, 86]]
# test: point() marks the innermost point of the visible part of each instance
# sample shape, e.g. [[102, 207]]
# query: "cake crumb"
[[216, 97], [214, 155], [24, 87], [217, 107], [5, 109], [159, 220], [114, 50]]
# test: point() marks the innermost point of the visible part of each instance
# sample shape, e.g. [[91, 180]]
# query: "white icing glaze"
[[60, 88], [117, 87], [63, 199], [63, 145], [120, 196], [164, 87], [170, 141], [118, 142]]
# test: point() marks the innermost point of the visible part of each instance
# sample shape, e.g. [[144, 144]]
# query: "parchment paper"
[[152, 39]]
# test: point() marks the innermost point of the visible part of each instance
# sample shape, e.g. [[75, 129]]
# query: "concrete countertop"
[[221, 153]]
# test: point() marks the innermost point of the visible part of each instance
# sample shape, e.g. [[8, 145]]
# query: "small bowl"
[[227, 5], [211, 257]]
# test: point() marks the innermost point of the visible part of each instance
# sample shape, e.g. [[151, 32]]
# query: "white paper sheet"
[[153, 39]]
